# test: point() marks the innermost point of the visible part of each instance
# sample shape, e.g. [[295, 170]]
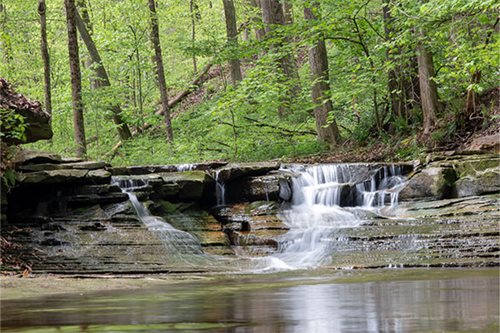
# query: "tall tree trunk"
[[318, 60], [272, 15], [102, 78], [287, 12], [428, 89], [76, 79], [470, 102], [392, 82], [160, 71], [45, 54], [259, 32], [193, 8], [232, 39], [81, 7]]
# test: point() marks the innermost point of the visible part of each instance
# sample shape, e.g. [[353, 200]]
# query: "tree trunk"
[[232, 39], [272, 15], [45, 54], [102, 79], [287, 12], [81, 7], [318, 60], [76, 79], [259, 32], [160, 71], [192, 10], [392, 82], [428, 89]]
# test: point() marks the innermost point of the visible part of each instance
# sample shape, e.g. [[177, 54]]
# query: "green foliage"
[[243, 122], [12, 126]]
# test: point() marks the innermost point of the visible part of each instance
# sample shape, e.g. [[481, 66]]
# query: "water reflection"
[[256, 306]]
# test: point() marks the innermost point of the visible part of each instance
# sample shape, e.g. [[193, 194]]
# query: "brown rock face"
[[36, 120]]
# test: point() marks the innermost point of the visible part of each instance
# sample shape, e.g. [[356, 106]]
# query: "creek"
[[437, 300]]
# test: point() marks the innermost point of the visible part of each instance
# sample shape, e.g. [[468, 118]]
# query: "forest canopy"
[[178, 81]]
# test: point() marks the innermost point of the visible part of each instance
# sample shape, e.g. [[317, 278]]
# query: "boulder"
[[267, 187], [431, 183], [188, 185], [485, 182]]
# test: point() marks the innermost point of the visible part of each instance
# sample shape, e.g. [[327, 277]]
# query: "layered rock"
[[35, 119]]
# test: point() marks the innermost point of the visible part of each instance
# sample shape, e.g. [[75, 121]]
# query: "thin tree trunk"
[[318, 60], [259, 32], [160, 71], [428, 89], [272, 15], [470, 102], [192, 6], [392, 82], [45, 54], [102, 79], [232, 39], [288, 12], [76, 79], [81, 7]]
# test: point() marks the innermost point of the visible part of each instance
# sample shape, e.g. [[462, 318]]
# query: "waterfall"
[[325, 199], [177, 242], [220, 189]]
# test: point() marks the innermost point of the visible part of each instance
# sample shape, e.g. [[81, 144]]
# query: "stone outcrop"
[[69, 218], [430, 183], [36, 120], [454, 176]]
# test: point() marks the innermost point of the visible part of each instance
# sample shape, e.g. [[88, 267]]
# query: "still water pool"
[[321, 302]]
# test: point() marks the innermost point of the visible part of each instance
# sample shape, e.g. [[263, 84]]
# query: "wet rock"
[[431, 182], [150, 169], [99, 176], [473, 165], [237, 170], [93, 227], [53, 242], [182, 186], [485, 182], [256, 188]]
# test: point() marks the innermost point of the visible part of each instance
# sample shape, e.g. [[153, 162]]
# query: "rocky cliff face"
[[66, 216], [36, 120]]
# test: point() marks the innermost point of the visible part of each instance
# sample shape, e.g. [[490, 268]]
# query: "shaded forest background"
[[253, 79]]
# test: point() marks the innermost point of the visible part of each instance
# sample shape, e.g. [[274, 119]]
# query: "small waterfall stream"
[[325, 199], [177, 242]]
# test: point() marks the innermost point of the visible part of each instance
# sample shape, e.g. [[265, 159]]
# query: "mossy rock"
[[432, 183], [487, 182]]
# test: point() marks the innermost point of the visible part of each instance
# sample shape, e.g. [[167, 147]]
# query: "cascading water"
[[177, 242], [220, 189], [325, 199]]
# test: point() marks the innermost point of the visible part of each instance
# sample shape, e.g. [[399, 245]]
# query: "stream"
[[434, 300]]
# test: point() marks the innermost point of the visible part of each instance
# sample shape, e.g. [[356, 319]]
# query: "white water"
[[220, 189], [319, 192], [177, 242]]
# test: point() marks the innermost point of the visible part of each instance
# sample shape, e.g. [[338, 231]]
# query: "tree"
[[160, 71], [428, 89], [232, 40], [318, 61], [102, 79], [45, 54], [76, 79]]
